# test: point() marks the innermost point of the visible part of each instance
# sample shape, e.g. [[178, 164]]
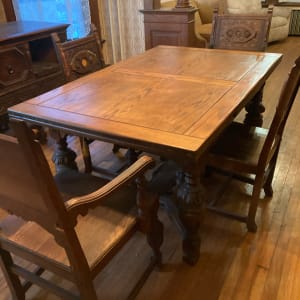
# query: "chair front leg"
[[255, 109], [13, 280], [251, 224], [148, 204], [63, 157]]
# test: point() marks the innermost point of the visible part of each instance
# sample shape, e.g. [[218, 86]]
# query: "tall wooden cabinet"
[[170, 25], [28, 62]]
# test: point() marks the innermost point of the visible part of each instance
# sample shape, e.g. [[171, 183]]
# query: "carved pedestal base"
[[191, 199], [63, 156], [255, 109]]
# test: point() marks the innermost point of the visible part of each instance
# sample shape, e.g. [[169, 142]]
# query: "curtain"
[[73, 12], [122, 26]]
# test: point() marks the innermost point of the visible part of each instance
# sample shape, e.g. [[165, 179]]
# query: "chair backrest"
[[285, 103], [81, 56], [27, 188], [240, 32]]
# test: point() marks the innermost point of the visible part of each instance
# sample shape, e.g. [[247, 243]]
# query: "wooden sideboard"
[[28, 62]]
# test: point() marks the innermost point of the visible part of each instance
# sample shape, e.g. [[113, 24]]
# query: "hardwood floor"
[[234, 264]]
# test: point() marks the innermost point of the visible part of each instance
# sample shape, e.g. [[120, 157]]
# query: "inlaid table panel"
[[170, 101]]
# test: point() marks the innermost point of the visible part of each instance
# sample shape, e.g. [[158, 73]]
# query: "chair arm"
[[284, 12], [80, 205]]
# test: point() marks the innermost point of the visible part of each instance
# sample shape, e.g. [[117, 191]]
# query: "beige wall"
[[2, 14]]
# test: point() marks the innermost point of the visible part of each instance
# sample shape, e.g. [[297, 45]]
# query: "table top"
[[171, 101], [19, 29]]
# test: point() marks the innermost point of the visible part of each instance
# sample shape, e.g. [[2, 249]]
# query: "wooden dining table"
[[169, 101]]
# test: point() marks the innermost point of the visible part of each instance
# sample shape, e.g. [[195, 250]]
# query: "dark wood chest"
[[28, 62]]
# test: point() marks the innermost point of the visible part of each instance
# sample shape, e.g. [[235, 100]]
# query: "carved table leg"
[[254, 110], [39, 133], [132, 156], [191, 204], [63, 156]]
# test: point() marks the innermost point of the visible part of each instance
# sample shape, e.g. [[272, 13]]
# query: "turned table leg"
[[191, 205], [255, 109], [63, 156]]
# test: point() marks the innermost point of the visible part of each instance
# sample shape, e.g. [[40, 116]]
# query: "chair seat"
[[250, 154], [74, 235], [98, 231], [239, 147]]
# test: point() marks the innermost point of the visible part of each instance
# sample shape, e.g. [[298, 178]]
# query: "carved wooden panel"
[[241, 32], [80, 57], [15, 65], [28, 61]]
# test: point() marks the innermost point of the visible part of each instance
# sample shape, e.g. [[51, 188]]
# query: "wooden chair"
[[74, 239], [81, 56], [240, 152], [240, 32], [78, 58]]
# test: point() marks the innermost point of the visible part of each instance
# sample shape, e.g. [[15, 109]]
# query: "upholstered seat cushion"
[[97, 231], [278, 21]]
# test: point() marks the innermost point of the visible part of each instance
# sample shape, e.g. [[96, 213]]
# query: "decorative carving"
[[239, 34], [63, 156], [191, 204], [15, 66], [81, 56], [255, 109], [84, 62], [28, 62], [242, 33]]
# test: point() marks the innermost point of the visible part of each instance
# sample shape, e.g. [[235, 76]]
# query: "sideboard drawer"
[[15, 65]]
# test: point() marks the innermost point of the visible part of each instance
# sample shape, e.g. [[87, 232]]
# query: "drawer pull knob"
[[10, 70]]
